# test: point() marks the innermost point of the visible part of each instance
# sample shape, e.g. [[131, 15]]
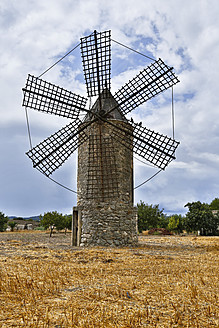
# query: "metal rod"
[[137, 52], [59, 60], [148, 179], [101, 160], [28, 128], [173, 114], [98, 72], [100, 105]]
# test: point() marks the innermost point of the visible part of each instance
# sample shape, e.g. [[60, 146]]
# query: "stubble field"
[[166, 281]]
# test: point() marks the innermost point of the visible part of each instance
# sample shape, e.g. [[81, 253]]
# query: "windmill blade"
[[51, 153], [49, 98], [96, 59], [152, 146], [154, 79]]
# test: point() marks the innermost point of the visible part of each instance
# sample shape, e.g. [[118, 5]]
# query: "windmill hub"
[[106, 107]]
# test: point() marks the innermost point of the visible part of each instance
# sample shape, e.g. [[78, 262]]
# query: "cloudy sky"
[[185, 34]]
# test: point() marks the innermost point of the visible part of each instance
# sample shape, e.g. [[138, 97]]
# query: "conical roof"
[[104, 103]]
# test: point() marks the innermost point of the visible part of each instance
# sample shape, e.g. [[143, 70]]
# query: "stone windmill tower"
[[105, 179], [105, 139]]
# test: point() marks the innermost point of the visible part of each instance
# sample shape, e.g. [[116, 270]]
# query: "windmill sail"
[[154, 79], [96, 58], [49, 98], [152, 146], [51, 153]]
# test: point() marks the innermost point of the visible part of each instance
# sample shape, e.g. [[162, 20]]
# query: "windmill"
[[106, 140]]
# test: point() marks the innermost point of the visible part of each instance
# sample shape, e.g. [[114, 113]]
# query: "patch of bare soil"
[[167, 281]]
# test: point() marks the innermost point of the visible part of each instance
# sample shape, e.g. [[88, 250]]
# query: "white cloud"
[[34, 34]]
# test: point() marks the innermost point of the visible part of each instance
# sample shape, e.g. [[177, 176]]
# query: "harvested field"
[[164, 282]]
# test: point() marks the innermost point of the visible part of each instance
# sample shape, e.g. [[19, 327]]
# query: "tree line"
[[200, 217], [48, 220]]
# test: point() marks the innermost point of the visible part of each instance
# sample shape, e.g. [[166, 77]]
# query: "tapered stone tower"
[[105, 180]]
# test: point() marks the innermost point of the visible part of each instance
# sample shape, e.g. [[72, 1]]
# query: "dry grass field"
[[164, 282]]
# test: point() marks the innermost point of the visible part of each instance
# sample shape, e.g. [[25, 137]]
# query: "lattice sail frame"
[[152, 146], [51, 153], [154, 79], [96, 59], [49, 98]]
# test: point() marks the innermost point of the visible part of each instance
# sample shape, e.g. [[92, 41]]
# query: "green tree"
[[54, 219], [214, 205], [12, 224], [3, 222], [200, 218], [163, 221], [149, 216], [68, 221], [175, 223]]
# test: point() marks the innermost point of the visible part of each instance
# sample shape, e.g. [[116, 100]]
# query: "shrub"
[[159, 231], [3, 221]]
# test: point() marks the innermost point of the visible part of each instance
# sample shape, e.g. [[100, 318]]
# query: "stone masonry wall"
[[108, 225], [120, 175], [110, 221]]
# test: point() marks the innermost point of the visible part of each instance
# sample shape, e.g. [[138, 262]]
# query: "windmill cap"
[[104, 103]]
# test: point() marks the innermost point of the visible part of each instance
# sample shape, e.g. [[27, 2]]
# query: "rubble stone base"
[[113, 224]]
